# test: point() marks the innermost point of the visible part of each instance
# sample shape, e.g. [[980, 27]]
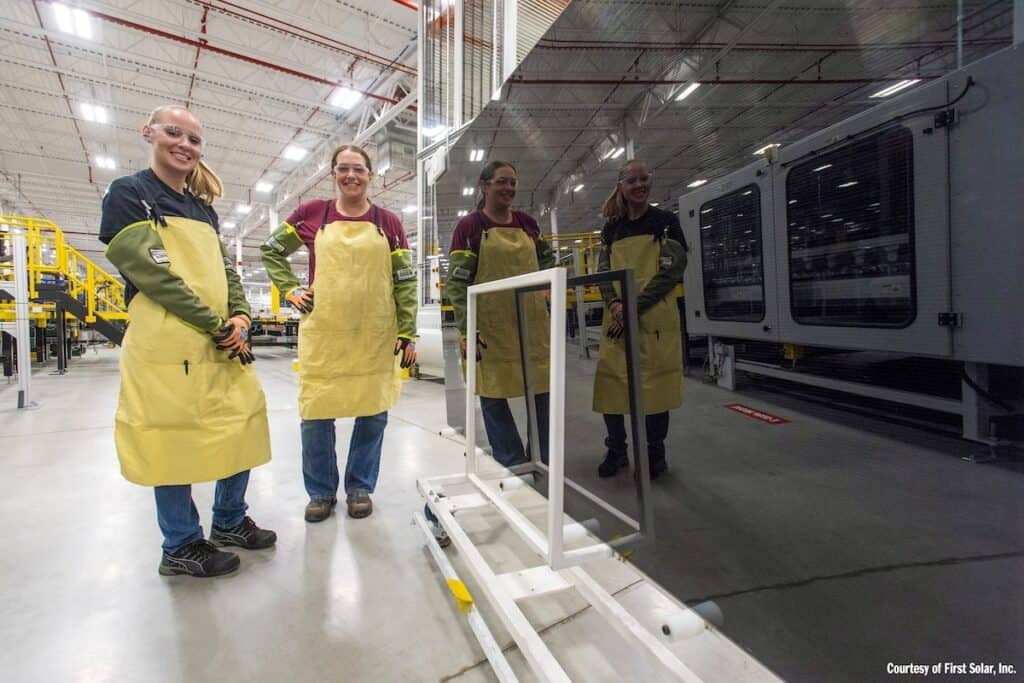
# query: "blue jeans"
[[657, 431], [506, 444], [179, 520], [320, 461]]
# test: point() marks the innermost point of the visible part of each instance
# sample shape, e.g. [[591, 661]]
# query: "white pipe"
[[556, 420], [20, 245]]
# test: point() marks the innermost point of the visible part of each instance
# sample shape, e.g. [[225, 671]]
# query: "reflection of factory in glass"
[[864, 236]]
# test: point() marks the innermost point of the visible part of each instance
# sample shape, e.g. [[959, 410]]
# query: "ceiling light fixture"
[[896, 87], [687, 92], [106, 162], [821, 168], [578, 188], [242, 208], [294, 153], [770, 145], [74, 21], [229, 225], [697, 183], [462, 213], [467, 192], [476, 155], [264, 187], [94, 113], [345, 98], [849, 184], [411, 208], [614, 153]]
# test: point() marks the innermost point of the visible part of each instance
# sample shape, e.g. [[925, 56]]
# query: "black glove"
[[300, 299], [479, 345], [243, 354], [406, 347]]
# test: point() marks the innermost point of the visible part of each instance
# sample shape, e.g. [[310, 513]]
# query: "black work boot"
[[199, 558], [612, 463], [656, 458], [246, 535]]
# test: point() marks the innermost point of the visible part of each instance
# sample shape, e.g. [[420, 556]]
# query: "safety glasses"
[[177, 133], [637, 179], [503, 182], [345, 169]]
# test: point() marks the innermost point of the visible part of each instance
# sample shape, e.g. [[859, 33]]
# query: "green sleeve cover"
[[461, 274], [604, 264], [275, 251], [404, 275], [237, 303], [545, 256], [671, 264], [139, 253]]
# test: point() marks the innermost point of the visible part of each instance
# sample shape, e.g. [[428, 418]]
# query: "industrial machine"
[[897, 230]]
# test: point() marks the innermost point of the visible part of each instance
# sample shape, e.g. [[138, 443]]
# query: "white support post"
[[510, 40], [21, 316], [459, 29], [556, 422], [1018, 22], [554, 221]]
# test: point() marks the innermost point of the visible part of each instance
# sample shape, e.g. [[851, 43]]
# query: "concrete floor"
[[833, 544], [346, 600]]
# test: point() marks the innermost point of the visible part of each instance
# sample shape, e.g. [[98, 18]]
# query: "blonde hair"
[[615, 207], [201, 181]]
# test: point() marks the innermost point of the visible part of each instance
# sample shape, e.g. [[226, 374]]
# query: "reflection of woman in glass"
[[649, 241], [491, 243]]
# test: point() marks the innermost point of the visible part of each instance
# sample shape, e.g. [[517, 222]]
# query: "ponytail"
[[203, 183]]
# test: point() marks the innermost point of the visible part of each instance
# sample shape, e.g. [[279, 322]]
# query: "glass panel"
[[730, 241], [850, 216]]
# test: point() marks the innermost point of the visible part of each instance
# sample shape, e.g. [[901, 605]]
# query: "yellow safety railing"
[[52, 260]]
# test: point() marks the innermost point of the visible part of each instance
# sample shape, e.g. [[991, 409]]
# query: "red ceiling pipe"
[[581, 45], [410, 5], [195, 63], [227, 53], [307, 35]]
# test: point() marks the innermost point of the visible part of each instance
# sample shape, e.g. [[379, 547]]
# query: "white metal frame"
[[21, 328], [561, 570]]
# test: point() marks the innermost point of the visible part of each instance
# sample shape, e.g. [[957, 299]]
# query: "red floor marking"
[[756, 414]]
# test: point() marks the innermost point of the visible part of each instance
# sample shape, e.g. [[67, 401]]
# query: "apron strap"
[[327, 210], [153, 212]]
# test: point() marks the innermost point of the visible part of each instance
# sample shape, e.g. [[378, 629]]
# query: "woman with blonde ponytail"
[[190, 407], [649, 241]]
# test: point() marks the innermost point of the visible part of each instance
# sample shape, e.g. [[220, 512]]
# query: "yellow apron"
[[660, 343], [347, 362], [186, 412], [506, 251]]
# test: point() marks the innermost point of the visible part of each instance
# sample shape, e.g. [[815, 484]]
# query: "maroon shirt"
[[309, 216], [470, 229]]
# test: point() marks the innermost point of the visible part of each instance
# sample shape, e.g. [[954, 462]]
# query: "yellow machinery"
[[61, 278]]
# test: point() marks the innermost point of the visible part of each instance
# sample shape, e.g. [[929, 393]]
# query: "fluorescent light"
[[106, 162], [614, 153], [896, 87], [384, 168], [792, 201], [294, 153], [82, 25], [577, 241], [409, 209], [578, 188], [654, 203], [467, 192], [345, 98], [94, 113], [849, 184], [435, 132], [697, 183], [463, 212], [821, 168], [242, 208], [229, 225], [476, 155], [264, 187], [687, 92], [63, 15], [74, 21], [770, 145]]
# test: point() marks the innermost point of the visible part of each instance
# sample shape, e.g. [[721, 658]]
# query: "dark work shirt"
[[655, 221], [470, 229], [122, 206]]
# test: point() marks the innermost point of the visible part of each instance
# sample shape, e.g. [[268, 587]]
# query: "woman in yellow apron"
[[190, 408], [491, 243], [358, 333], [649, 241]]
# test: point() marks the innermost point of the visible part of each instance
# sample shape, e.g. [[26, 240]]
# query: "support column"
[[24, 344], [1018, 22]]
